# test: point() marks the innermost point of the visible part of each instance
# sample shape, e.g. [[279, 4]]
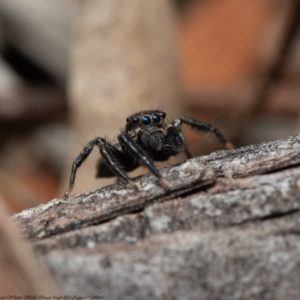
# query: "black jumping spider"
[[146, 138]]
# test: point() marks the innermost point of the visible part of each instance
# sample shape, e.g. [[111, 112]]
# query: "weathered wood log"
[[228, 229], [20, 272]]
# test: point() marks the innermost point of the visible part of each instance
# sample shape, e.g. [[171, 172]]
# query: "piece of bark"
[[227, 230], [20, 272]]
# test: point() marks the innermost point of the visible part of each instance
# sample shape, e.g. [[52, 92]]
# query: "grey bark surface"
[[228, 229]]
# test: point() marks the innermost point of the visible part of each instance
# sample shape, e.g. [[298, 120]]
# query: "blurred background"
[[73, 70]]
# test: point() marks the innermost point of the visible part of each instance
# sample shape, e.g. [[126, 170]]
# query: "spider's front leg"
[[201, 126], [131, 147], [106, 152]]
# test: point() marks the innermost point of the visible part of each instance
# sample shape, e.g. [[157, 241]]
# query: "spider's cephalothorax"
[[146, 138]]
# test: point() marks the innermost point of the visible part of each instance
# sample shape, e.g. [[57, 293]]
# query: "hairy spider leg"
[[202, 126], [130, 146], [105, 150]]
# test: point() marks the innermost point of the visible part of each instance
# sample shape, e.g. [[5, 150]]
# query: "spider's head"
[[150, 119]]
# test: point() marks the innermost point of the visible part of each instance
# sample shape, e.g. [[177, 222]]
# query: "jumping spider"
[[146, 138]]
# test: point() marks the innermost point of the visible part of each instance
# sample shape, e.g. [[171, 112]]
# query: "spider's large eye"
[[146, 120], [156, 118], [163, 114], [135, 120]]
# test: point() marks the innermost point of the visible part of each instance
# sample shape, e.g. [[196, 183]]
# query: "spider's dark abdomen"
[[161, 156], [104, 171], [126, 162]]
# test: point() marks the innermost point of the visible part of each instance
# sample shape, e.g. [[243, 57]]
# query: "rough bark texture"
[[20, 272], [228, 229]]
